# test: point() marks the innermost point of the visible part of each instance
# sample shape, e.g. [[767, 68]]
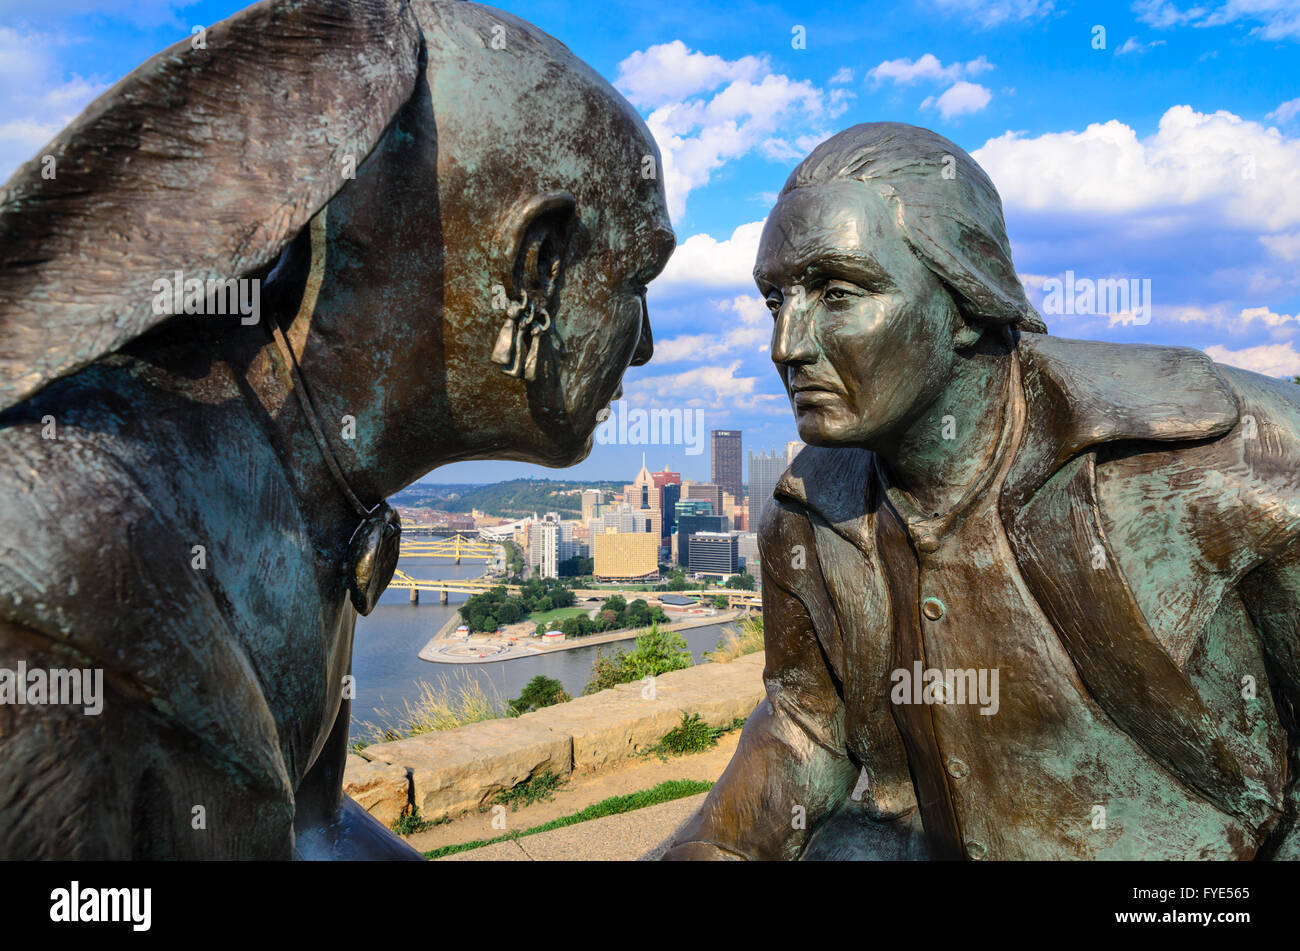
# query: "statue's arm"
[[1272, 596], [329, 825], [791, 768]]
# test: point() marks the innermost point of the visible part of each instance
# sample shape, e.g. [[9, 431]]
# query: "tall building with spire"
[[643, 495]]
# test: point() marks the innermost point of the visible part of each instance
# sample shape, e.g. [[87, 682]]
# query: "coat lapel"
[[1079, 394]]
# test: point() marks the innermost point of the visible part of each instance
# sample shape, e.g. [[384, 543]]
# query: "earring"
[[517, 345]]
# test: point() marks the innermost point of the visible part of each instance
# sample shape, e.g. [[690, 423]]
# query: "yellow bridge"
[[735, 599], [457, 547]]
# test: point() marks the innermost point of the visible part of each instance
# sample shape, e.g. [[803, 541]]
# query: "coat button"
[[932, 608], [957, 769], [975, 850], [927, 542]]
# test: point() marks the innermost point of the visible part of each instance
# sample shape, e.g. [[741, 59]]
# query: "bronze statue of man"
[[1024, 597], [438, 226]]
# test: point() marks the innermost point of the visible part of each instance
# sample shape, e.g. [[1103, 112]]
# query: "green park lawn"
[[543, 617]]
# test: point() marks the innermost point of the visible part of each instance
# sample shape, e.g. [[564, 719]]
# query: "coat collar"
[[1080, 394]]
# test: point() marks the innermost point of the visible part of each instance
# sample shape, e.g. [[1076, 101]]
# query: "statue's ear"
[[535, 243], [207, 159]]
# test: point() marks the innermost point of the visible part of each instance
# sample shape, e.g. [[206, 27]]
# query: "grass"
[[748, 641], [613, 806], [537, 789], [556, 614], [410, 822], [692, 735], [452, 702]]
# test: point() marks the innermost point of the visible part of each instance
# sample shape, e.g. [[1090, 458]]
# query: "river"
[[388, 670]]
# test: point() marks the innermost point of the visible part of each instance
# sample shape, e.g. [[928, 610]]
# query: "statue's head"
[[420, 185], [884, 262]]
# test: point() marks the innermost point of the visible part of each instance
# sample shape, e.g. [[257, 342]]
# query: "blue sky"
[[1171, 155]]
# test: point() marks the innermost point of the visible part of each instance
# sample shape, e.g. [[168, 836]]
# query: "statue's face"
[[863, 334], [603, 323]]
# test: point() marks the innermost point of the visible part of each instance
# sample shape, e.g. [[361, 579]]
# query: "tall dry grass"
[[454, 701], [748, 640]]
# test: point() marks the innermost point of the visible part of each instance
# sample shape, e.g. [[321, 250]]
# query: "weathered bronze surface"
[[402, 179], [1095, 547]]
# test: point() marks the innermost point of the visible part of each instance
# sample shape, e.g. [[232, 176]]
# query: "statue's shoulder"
[[836, 483], [1099, 391]]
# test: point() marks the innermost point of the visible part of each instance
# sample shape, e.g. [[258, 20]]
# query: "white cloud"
[[1272, 359], [670, 72], [1266, 316], [40, 98], [961, 98], [701, 261], [715, 388], [926, 68], [1134, 45], [989, 13], [842, 75], [744, 324], [1272, 19], [1283, 246], [1285, 112], [1197, 167], [700, 130]]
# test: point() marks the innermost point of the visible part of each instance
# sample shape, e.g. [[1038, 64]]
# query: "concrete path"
[[640, 835]]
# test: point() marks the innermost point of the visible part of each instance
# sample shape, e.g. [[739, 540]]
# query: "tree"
[[544, 604], [743, 582], [509, 612], [616, 603], [541, 691], [720, 601]]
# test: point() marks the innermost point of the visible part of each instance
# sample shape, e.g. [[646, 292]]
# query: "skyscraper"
[[669, 484], [765, 471], [725, 462], [791, 450]]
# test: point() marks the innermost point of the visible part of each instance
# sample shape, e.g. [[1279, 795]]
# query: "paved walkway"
[[640, 835], [582, 790]]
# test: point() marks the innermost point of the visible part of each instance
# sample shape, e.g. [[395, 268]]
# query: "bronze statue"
[[280, 271], [1024, 597]]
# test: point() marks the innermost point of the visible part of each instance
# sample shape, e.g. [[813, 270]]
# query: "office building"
[[724, 465], [592, 499], [625, 556], [791, 450], [688, 525], [714, 553], [704, 490], [765, 470]]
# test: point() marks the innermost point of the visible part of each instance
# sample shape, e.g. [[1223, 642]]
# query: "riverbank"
[[482, 649]]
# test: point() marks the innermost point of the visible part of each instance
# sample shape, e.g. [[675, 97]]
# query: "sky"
[[1155, 142]]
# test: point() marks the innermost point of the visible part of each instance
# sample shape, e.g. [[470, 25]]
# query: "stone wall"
[[446, 773]]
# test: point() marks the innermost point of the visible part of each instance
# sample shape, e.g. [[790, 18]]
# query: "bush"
[[541, 691], [656, 652]]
